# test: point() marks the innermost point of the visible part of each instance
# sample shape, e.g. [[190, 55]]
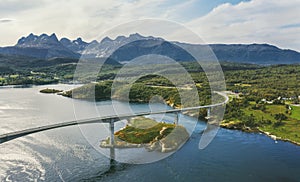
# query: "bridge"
[[106, 119]]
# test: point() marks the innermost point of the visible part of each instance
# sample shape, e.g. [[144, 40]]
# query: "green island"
[[262, 98], [50, 91], [145, 132]]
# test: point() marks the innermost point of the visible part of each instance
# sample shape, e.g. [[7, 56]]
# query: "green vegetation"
[[50, 91], [21, 70], [97, 91], [142, 123], [266, 82], [275, 119], [145, 132], [141, 91], [149, 131], [265, 101], [295, 112]]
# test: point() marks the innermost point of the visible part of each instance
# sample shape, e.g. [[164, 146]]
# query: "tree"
[[280, 117], [250, 121]]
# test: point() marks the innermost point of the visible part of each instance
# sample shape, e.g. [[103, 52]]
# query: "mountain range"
[[123, 49]]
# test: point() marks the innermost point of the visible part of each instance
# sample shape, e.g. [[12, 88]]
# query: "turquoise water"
[[72, 153]]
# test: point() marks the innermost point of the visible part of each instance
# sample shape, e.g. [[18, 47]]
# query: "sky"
[[274, 22]]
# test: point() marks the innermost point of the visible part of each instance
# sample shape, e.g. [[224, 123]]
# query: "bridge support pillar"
[[112, 138], [176, 118], [208, 112]]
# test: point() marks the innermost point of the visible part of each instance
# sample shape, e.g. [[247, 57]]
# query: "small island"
[[50, 91], [145, 132]]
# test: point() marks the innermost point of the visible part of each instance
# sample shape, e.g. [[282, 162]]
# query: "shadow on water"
[[113, 168]]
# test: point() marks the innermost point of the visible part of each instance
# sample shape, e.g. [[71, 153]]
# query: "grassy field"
[[290, 127], [142, 122], [295, 112], [143, 130], [288, 131]]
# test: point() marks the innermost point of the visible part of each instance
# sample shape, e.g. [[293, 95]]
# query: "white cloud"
[[275, 22], [178, 10], [260, 21], [74, 18]]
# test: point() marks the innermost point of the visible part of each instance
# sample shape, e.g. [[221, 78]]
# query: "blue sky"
[[197, 8], [215, 21]]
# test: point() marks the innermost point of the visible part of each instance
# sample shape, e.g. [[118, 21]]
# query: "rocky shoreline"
[[275, 138], [162, 142], [235, 126], [119, 144]]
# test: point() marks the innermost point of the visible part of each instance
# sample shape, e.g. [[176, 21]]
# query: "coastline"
[[230, 126], [275, 138]]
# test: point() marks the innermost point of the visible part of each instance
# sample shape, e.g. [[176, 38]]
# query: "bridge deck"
[[105, 119]]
